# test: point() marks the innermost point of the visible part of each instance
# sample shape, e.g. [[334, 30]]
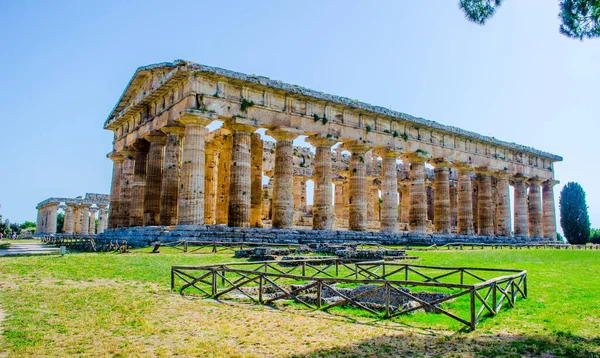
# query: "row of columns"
[[79, 219]]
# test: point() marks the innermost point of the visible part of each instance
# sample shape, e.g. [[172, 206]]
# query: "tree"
[[27, 224], [595, 236], [574, 217], [580, 18], [60, 219]]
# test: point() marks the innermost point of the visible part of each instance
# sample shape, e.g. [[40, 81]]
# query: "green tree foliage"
[[595, 236], [27, 225], [580, 18], [573, 214], [60, 220]]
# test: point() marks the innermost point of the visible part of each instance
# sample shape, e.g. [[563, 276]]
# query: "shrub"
[[574, 217]]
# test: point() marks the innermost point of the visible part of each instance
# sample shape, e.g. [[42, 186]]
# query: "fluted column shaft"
[[283, 175], [389, 194], [115, 191], [417, 214], [536, 228], [521, 219], [371, 194], [169, 192], [52, 213], [210, 183], [453, 206], [338, 205], [240, 182], [92, 223], [441, 201], [191, 195], [101, 219], [77, 220], [126, 187], [405, 204], [256, 169], [549, 215], [322, 207], [465, 202], [136, 210], [485, 213], [503, 223], [154, 176], [357, 218], [223, 182], [85, 223], [69, 219]]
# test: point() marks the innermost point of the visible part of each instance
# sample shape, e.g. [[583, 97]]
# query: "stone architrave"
[[322, 206], [389, 190], [485, 214], [417, 215], [210, 182], [283, 175], [126, 186], [536, 228], [240, 173], [169, 193], [441, 201], [256, 170], [115, 191], [136, 217], [154, 176], [222, 212], [191, 195], [521, 219], [465, 198], [549, 215], [503, 221]]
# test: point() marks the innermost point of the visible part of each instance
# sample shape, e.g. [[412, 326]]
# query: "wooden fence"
[[270, 281], [87, 243]]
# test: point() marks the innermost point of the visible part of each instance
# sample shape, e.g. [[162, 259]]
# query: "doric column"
[[101, 219], [283, 175], [536, 228], [521, 220], [225, 144], [92, 223], [126, 186], [441, 200], [240, 184], [256, 170], [338, 201], [298, 198], [549, 215], [417, 214], [115, 190], [322, 206], [371, 199], [405, 204], [485, 212], [503, 222], [475, 202], [389, 191], [211, 167], [77, 220], [191, 196], [453, 205], [85, 223], [357, 218], [69, 219], [346, 215], [136, 209], [52, 213], [169, 192], [152, 195], [38, 222], [465, 201]]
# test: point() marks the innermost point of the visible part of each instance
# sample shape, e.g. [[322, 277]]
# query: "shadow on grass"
[[409, 344]]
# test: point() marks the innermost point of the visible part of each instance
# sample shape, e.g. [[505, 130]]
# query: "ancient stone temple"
[[372, 169], [81, 214]]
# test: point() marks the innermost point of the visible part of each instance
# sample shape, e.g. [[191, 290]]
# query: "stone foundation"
[[144, 235]]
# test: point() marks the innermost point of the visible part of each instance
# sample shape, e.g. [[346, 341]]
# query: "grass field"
[[121, 305]]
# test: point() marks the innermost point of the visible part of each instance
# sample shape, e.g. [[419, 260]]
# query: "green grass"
[[121, 305]]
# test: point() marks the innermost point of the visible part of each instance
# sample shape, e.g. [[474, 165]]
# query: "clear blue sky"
[[64, 64]]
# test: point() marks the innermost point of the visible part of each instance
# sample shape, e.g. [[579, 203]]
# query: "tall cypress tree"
[[574, 217]]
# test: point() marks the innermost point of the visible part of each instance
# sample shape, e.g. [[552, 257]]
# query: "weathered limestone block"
[[169, 193], [521, 220], [441, 202], [417, 216], [322, 207], [153, 187], [136, 209], [465, 204], [485, 209], [225, 143], [389, 192], [126, 186], [115, 191], [191, 194], [357, 218], [503, 222], [283, 199], [549, 215], [536, 228], [211, 183], [240, 180]]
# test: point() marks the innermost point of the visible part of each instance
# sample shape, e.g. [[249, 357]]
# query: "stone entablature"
[[80, 214], [162, 92]]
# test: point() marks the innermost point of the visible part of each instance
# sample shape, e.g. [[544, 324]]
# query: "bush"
[[574, 217]]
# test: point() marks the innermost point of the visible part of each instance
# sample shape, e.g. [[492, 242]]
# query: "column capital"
[[550, 182], [115, 156], [357, 147], [388, 152], [173, 127], [244, 125], [102, 207], [440, 163], [71, 205], [535, 181], [141, 145], [519, 178], [320, 140], [420, 156], [196, 116], [501, 174], [156, 137], [85, 205], [127, 152], [483, 170], [463, 167], [284, 133]]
